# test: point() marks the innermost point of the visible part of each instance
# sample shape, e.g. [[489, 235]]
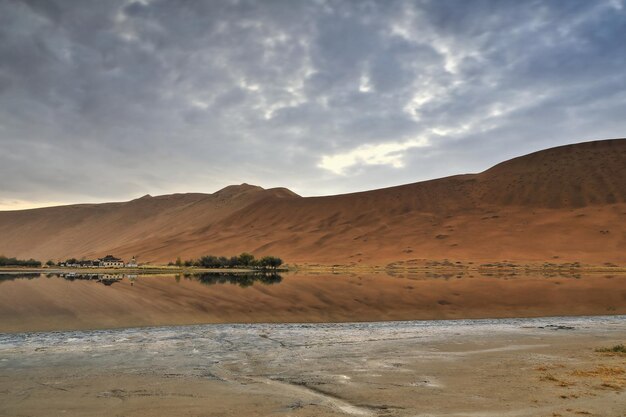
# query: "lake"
[[44, 302]]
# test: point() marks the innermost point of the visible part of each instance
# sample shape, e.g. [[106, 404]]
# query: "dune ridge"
[[566, 203]]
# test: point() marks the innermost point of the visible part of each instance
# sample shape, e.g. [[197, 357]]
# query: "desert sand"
[[566, 204], [521, 368], [57, 304]]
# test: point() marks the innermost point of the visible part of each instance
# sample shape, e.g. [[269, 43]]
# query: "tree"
[[275, 262], [4, 261], [50, 263], [269, 262], [223, 262], [179, 262], [246, 259], [264, 262], [209, 261], [33, 263], [233, 262]]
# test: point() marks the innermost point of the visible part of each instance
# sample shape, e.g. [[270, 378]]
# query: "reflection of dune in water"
[[52, 302]]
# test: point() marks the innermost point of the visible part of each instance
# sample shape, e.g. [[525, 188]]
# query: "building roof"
[[110, 258]]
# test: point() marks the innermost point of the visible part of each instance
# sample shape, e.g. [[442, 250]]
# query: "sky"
[[112, 100]]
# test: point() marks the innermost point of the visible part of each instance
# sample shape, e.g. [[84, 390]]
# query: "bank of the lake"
[[487, 368]]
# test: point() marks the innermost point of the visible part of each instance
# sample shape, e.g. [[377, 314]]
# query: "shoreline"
[[426, 322], [526, 368]]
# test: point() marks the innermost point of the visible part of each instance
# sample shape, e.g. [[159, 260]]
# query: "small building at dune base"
[[132, 263], [111, 261]]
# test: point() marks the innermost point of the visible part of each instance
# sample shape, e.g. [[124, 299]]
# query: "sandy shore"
[[531, 367]]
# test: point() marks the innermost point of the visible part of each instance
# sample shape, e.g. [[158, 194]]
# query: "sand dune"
[[565, 204]]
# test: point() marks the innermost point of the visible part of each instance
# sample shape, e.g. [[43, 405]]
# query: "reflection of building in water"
[[106, 279], [110, 276], [131, 278]]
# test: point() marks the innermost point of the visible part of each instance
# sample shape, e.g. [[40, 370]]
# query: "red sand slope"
[[566, 203]]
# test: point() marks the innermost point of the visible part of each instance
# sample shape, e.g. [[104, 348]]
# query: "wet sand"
[[40, 304], [532, 367]]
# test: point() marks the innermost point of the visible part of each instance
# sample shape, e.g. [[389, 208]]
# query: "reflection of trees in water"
[[241, 279], [209, 278], [11, 277]]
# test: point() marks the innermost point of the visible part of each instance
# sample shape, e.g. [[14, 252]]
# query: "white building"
[[111, 261]]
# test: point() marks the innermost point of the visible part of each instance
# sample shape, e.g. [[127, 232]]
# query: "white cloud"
[[218, 84], [365, 86], [24, 204], [388, 153], [200, 104], [418, 100]]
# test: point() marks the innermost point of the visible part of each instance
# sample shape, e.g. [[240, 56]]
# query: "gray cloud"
[[111, 100]]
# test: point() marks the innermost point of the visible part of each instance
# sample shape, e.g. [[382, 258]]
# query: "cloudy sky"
[[111, 100]]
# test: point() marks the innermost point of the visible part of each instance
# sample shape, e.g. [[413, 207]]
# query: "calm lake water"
[[40, 302]]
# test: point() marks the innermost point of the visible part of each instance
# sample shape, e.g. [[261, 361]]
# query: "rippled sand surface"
[[507, 367]]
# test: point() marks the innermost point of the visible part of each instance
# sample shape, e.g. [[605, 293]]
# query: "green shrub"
[[615, 349]]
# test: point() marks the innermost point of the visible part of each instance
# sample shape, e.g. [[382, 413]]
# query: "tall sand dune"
[[563, 204]]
